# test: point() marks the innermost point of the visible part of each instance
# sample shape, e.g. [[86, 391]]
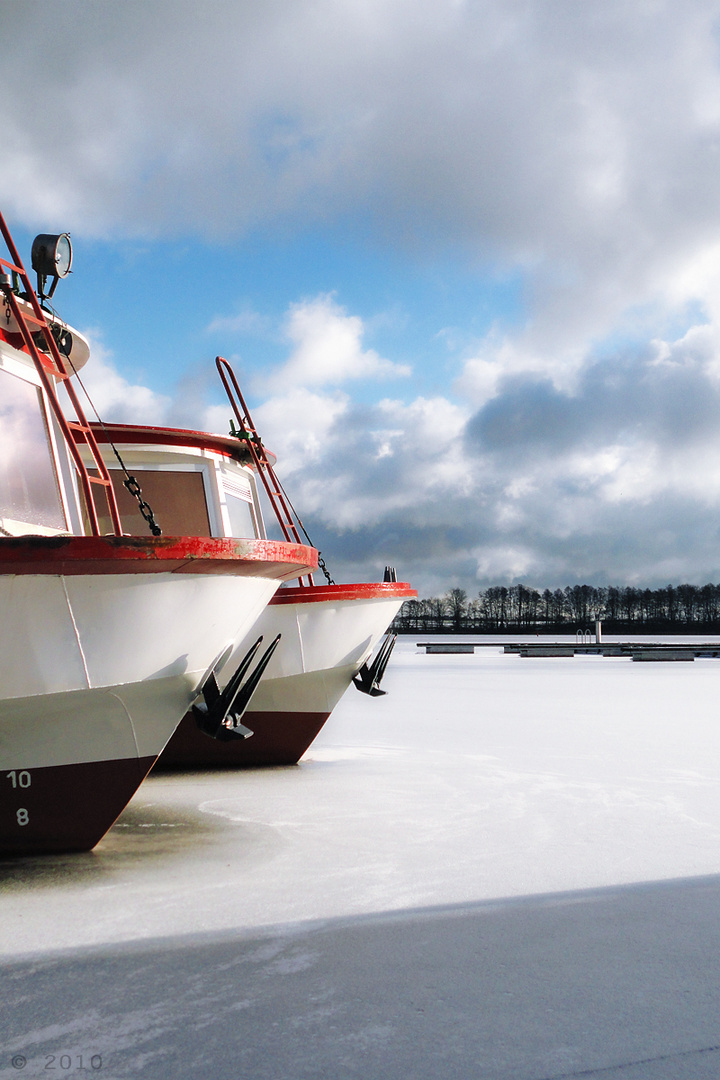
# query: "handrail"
[[56, 367]]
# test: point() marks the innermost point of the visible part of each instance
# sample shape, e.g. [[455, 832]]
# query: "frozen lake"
[[477, 778]]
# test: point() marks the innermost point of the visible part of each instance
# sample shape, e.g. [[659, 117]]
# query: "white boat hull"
[[98, 667]]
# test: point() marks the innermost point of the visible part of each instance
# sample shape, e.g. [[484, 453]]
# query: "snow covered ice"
[[476, 777], [506, 868]]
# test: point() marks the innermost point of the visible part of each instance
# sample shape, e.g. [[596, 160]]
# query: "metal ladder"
[[50, 366], [246, 431]]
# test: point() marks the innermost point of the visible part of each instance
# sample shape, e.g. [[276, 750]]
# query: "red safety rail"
[[51, 365], [246, 429]]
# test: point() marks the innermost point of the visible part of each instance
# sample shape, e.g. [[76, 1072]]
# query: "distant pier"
[[645, 651]]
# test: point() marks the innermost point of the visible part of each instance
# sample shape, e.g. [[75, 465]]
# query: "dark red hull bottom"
[[65, 807], [279, 738]]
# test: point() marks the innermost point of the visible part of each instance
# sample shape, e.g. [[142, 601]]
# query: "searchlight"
[[51, 258]]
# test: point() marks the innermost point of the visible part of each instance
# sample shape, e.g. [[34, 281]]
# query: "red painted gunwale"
[[324, 594], [82, 555], [162, 436]]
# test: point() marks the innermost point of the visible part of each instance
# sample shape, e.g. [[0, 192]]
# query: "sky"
[[464, 256]]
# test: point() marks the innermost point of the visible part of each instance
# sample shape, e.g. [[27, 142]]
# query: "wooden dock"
[[434, 647]]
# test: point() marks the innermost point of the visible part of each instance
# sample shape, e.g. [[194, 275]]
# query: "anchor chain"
[[323, 567], [145, 509], [130, 482]]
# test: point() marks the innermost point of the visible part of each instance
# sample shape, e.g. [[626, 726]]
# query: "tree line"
[[519, 608]]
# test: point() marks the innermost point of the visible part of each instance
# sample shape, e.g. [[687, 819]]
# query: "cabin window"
[[29, 493], [238, 499], [176, 498], [240, 513]]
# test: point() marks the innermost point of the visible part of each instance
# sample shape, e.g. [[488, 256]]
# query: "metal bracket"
[[219, 715]]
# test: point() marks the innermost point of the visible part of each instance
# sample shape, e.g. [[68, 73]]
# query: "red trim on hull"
[[65, 807], [364, 590], [159, 436], [279, 738], [80, 555]]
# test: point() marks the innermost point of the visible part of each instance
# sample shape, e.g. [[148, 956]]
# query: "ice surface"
[[478, 776]]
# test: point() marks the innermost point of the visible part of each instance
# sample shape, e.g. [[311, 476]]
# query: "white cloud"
[[298, 425], [327, 348], [503, 563], [573, 142], [354, 467], [115, 399]]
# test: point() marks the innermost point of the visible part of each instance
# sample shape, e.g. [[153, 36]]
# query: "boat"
[[327, 633], [106, 638]]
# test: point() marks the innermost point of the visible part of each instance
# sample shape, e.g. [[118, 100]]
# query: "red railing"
[[279, 502]]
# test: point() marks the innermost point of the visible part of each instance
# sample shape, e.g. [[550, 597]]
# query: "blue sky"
[[464, 254], [233, 298]]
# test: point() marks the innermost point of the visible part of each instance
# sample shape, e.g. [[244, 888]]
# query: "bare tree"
[[456, 603]]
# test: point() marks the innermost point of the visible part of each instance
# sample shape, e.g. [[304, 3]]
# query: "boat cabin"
[[195, 483]]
